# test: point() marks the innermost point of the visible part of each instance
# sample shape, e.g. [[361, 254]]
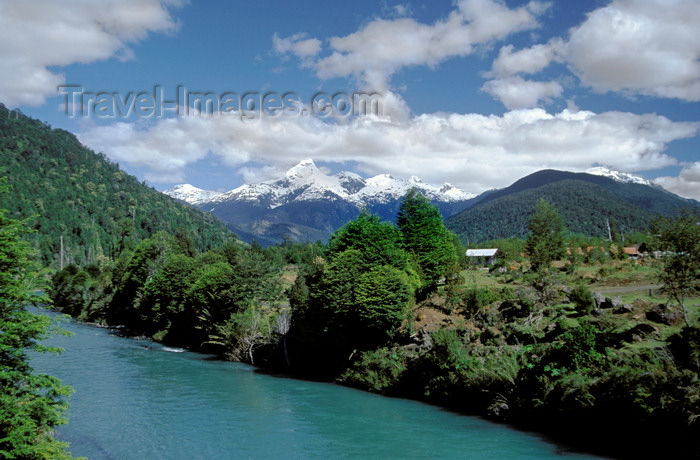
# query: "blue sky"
[[477, 93]]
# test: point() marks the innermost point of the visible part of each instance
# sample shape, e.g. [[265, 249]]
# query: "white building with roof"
[[483, 256]]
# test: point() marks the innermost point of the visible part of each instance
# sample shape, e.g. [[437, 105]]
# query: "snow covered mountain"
[[618, 176], [305, 182], [191, 194], [307, 204]]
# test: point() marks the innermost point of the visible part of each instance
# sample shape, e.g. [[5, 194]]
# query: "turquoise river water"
[[135, 399]]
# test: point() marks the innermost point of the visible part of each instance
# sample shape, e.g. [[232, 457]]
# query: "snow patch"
[[191, 194], [618, 176]]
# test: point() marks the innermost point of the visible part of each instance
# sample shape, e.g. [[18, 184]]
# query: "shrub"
[[685, 347], [580, 347], [378, 370], [474, 298], [582, 297]]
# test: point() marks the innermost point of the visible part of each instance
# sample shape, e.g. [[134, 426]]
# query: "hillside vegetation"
[[67, 191], [587, 203]]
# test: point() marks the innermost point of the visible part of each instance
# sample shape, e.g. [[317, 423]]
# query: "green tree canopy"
[[424, 235], [680, 239], [31, 405], [378, 242], [545, 243], [362, 305]]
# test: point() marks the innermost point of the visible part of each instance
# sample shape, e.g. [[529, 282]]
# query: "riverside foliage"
[[31, 405]]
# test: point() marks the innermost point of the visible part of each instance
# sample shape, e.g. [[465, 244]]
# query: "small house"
[[482, 256], [633, 252]]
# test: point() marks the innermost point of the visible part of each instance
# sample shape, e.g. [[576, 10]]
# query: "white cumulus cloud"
[[37, 34], [473, 151], [517, 93], [686, 184], [649, 47], [384, 46], [529, 60], [297, 44]]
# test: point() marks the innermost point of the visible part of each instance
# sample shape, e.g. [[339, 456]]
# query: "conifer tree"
[[425, 236], [545, 243]]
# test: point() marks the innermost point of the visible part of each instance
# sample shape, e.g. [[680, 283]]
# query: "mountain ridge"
[[305, 182], [306, 204], [588, 203]]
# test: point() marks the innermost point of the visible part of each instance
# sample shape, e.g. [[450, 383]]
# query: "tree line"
[[351, 295]]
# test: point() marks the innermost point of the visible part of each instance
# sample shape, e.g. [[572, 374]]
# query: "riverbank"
[[134, 399], [599, 384], [429, 369]]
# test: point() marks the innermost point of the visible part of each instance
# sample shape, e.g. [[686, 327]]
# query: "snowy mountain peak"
[[618, 176], [191, 194], [304, 182], [380, 180], [303, 169]]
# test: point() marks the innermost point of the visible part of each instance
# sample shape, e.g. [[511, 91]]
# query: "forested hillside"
[[71, 193], [587, 204]]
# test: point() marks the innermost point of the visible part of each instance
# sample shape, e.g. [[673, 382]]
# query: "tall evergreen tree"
[[378, 242], [545, 243], [425, 236]]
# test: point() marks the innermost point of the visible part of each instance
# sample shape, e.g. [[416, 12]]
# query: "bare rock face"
[[599, 300], [665, 314], [622, 309], [606, 302]]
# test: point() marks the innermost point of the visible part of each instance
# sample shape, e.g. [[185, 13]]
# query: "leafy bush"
[[468, 375], [685, 347], [378, 370], [582, 297], [580, 347], [472, 299]]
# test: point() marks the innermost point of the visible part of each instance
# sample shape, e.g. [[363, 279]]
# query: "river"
[[135, 399]]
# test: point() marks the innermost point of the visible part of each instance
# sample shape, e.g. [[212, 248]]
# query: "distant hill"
[[68, 191], [587, 202]]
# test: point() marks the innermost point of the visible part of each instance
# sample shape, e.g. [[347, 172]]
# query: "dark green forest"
[[68, 192], [352, 294], [587, 203]]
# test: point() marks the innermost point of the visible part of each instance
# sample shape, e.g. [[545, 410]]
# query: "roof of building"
[[481, 252]]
